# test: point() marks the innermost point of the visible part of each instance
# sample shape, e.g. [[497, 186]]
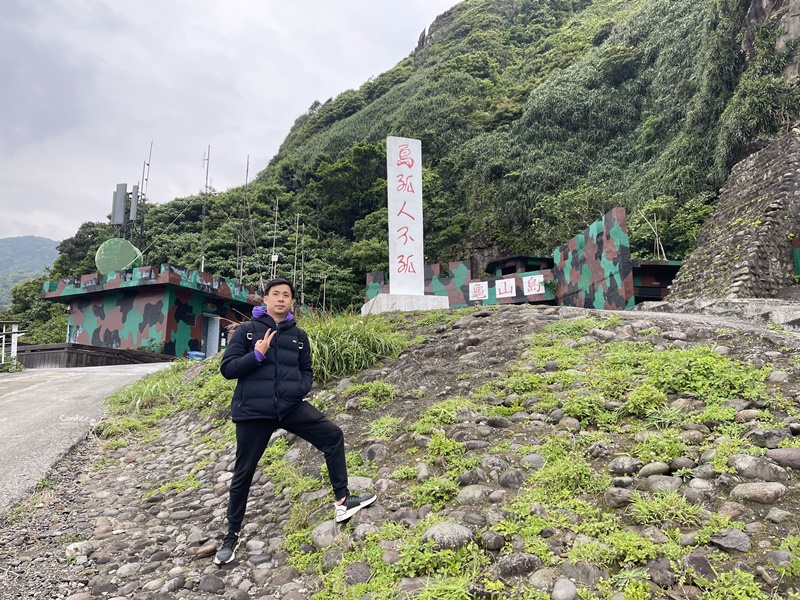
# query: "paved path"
[[45, 412]]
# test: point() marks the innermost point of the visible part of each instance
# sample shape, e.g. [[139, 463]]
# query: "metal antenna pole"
[[239, 254], [140, 202], [207, 160], [303, 268], [145, 179], [274, 257], [296, 240]]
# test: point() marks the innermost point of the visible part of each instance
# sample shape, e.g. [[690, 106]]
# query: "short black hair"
[[278, 281]]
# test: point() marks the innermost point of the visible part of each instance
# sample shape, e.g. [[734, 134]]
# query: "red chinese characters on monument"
[[403, 231], [479, 290], [533, 284], [404, 174], [406, 264], [405, 183], [404, 157], [403, 212], [505, 288]]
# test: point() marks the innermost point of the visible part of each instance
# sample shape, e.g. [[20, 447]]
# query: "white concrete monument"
[[406, 254]]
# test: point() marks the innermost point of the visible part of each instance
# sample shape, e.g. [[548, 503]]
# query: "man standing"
[[273, 375]]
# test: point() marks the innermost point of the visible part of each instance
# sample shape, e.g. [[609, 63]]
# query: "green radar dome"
[[117, 254]]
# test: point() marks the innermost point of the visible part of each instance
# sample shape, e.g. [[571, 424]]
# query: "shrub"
[[617, 63], [348, 344], [374, 393], [435, 491], [667, 507], [661, 447], [644, 399]]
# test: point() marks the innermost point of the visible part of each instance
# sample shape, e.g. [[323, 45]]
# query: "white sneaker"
[[352, 505], [227, 551]]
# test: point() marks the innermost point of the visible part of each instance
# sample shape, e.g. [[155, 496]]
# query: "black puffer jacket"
[[272, 388]]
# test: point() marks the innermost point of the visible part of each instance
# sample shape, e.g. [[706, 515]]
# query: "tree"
[[76, 254], [677, 224], [44, 320]]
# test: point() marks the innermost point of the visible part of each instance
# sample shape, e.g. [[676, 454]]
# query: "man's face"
[[279, 300]]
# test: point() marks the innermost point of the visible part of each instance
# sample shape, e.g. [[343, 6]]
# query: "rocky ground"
[[96, 529]]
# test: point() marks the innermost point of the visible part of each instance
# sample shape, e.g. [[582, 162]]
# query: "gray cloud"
[[89, 83]]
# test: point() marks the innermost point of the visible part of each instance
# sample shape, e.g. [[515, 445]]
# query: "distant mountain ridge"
[[23, 258], [26, 253]]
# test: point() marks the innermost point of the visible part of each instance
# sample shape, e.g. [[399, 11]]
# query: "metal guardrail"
[[67, 355], [9, 335]]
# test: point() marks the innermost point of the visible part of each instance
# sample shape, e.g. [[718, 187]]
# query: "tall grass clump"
[[349, 343], [162, 388]]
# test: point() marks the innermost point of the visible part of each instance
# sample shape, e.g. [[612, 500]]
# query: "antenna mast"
[[274, 258], [145, 180], [296, 240], [239, 255], [207, 160]]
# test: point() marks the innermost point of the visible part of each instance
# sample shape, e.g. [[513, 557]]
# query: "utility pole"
[[206, 160], [240, 235], [274, 257], [296, 240], [145, 179]]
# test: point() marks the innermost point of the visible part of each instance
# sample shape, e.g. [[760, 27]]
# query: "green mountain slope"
[[26, 253], [535, 116], [23, 258]]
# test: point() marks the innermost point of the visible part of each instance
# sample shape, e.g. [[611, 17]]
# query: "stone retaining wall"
[[744, 249]]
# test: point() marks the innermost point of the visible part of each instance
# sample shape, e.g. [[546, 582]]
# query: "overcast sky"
[[88, 84]]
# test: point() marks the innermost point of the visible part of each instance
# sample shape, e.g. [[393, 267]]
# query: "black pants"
[[252, 437]]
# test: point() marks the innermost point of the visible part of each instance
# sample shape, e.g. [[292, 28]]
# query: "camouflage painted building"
[[172, 310], [592, 270]]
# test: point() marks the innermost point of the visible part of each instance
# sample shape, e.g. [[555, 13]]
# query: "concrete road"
[[45, 412]]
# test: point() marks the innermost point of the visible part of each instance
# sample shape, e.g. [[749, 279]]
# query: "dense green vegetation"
[[536, 116]]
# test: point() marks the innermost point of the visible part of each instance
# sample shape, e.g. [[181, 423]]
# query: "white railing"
[[9, 334]]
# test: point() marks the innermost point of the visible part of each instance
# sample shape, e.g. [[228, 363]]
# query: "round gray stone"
[[624, 465], [763, 493], [564, 589], [447, 535]]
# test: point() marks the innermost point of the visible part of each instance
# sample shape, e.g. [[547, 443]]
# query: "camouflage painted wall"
[[142, 309], [455, 284], [592, 270]]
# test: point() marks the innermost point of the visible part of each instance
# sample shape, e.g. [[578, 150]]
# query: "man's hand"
[[262, 345]]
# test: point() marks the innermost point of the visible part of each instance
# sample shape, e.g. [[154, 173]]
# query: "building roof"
[[168, 275]]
